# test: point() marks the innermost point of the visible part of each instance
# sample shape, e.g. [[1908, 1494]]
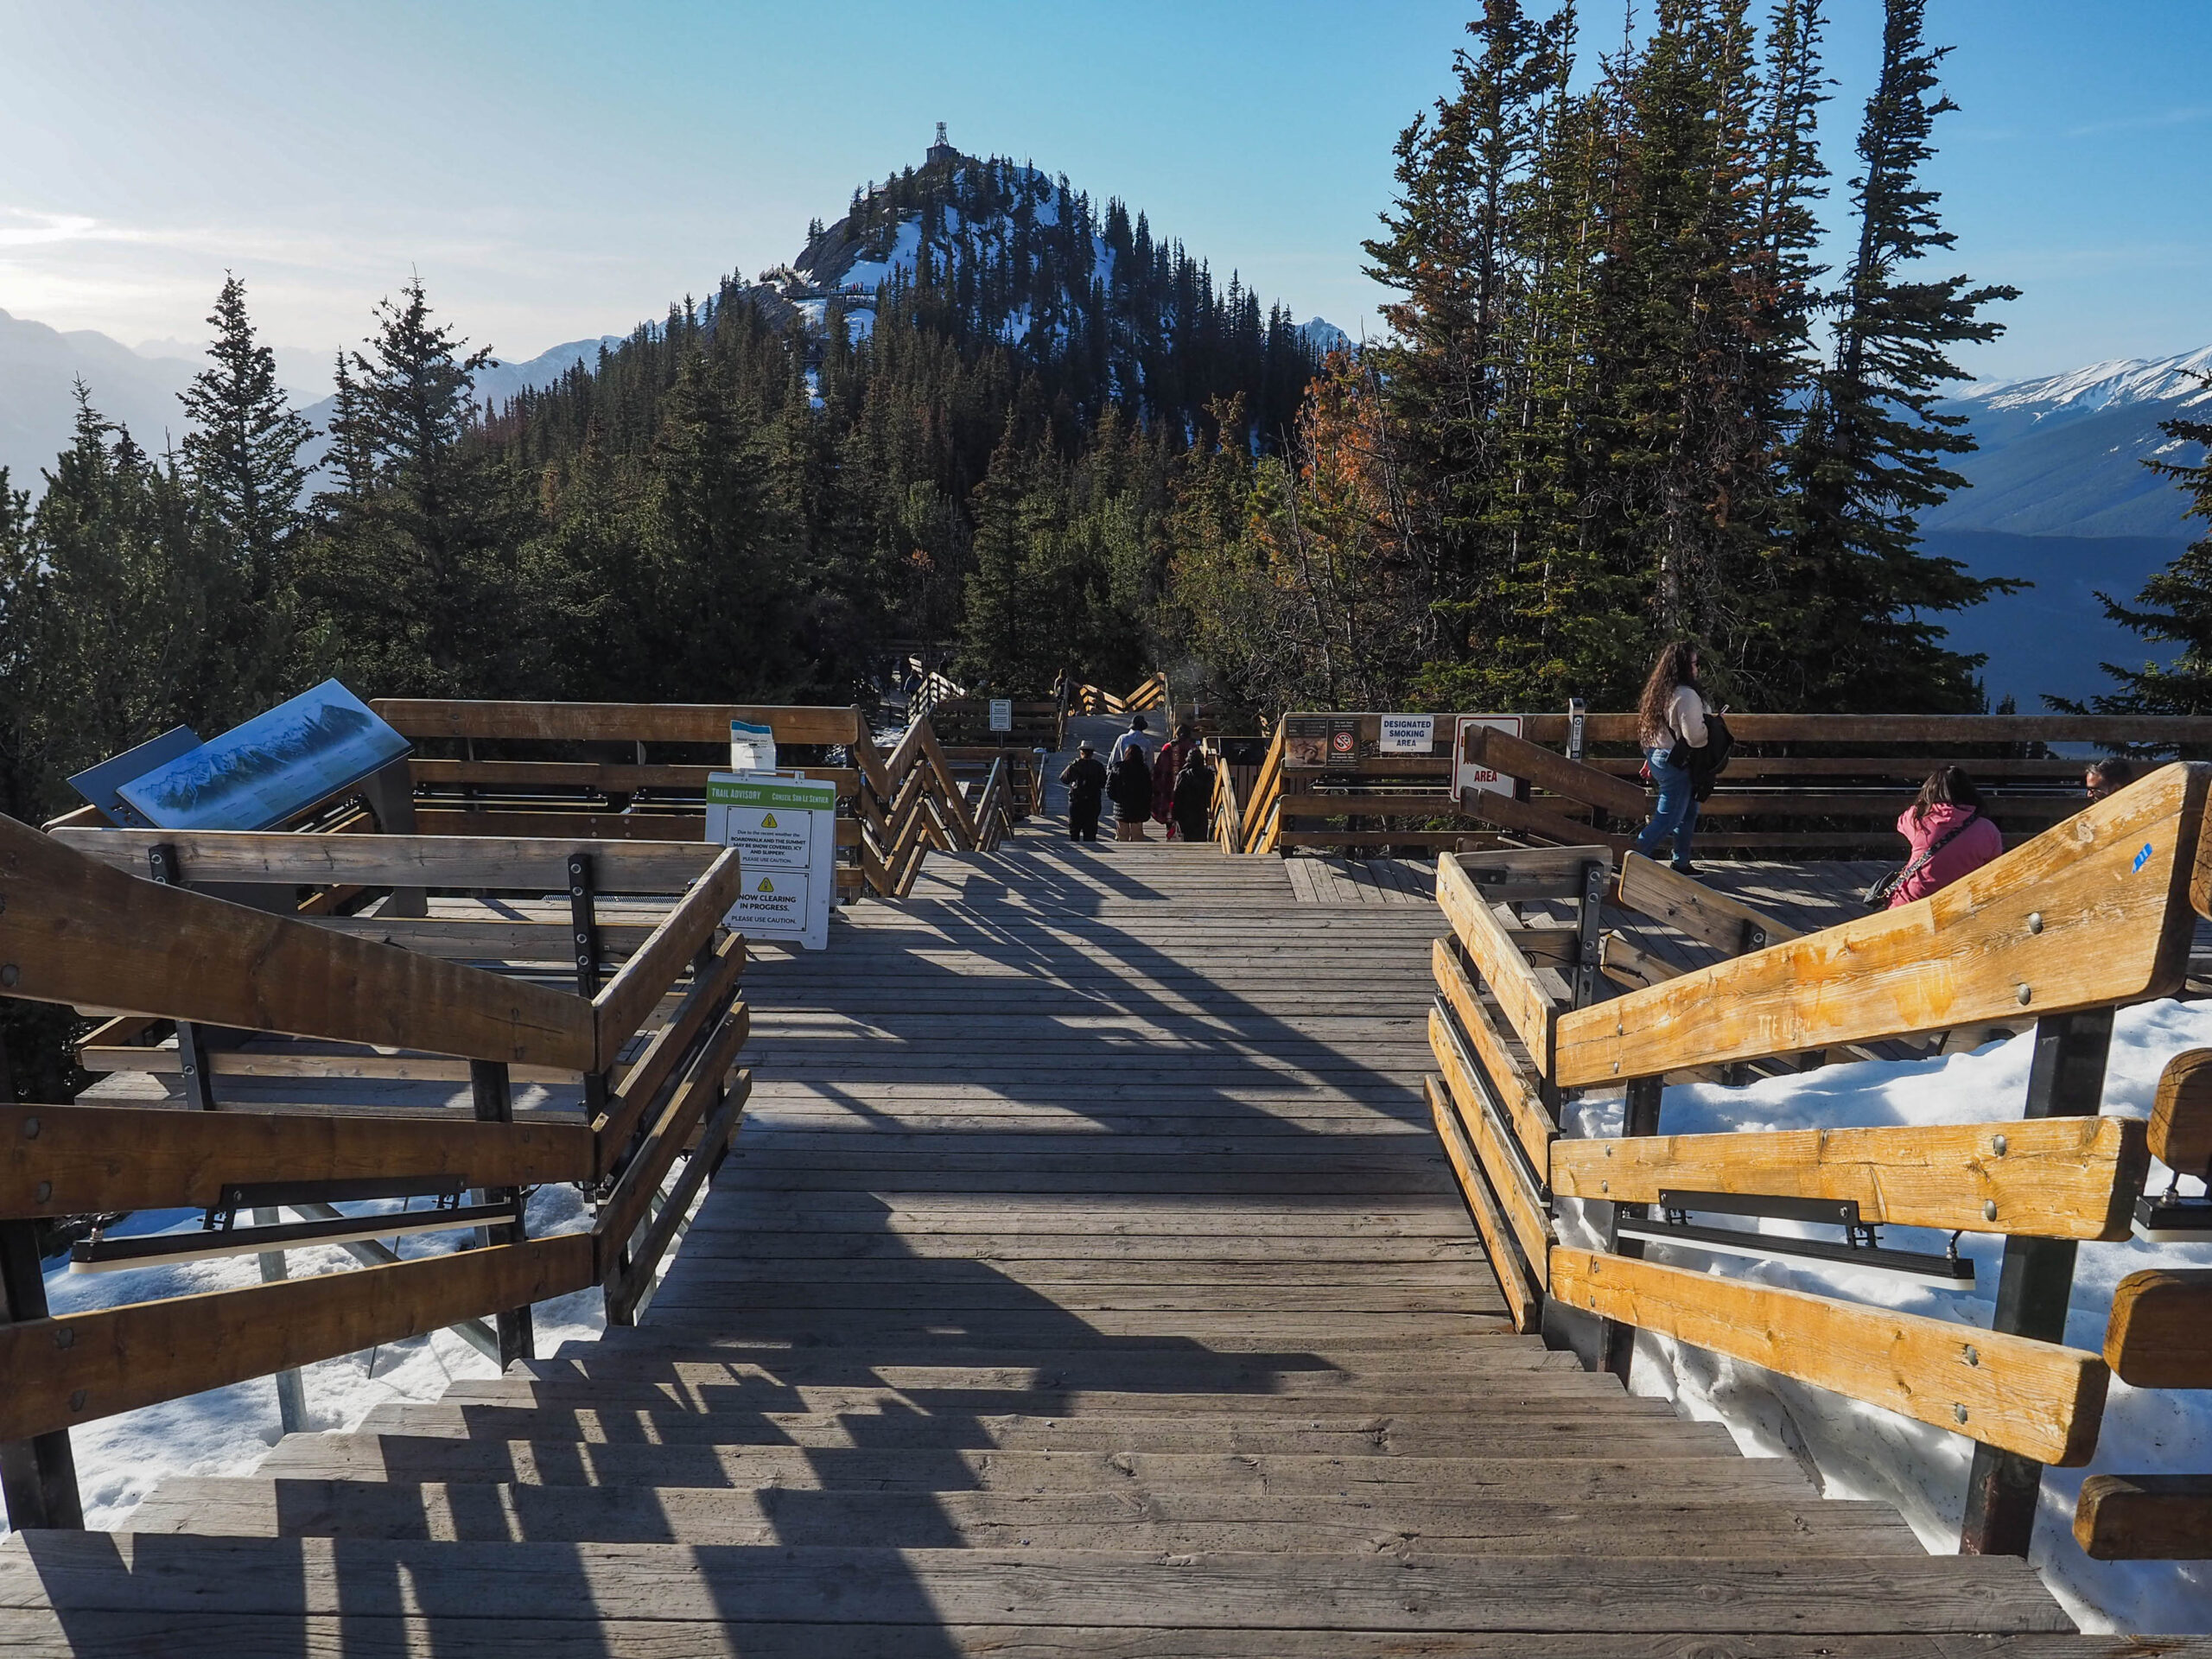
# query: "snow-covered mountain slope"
[[994, 253], [2062, 454]]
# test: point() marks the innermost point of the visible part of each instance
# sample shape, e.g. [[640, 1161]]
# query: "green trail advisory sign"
[[785, 831]]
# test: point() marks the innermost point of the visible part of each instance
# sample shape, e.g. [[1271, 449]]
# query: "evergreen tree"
[[415, 583], [2175, 606], [1873, 453], [242, 456]]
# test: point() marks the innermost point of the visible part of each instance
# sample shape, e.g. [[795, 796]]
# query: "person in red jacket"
[[1950, 833]]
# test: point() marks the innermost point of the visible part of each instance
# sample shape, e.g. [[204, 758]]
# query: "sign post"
[[785, 831]]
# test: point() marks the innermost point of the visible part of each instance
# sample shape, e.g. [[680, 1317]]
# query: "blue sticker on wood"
[[2143, 857]]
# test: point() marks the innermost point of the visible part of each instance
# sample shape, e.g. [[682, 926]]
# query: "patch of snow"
[[227, 1432], [1325, 336], [906, 251], [2102, 385], [1859, 1451]]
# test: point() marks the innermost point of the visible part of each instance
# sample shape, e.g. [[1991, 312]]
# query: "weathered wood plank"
[[1516, 1281], [2086, 914], [1524, 1207], [2144, 1518], [627, 998], [78, 1367], [2036, 1398], [1689, 906], [75, 930], [642, 1083], [632, 1280], [66, 1160], [624, 1211], [1514, 1080], [616, 1582], [2160, 1332], [2181, 1116], [1528, 1007], [468, 862], [359, 1635], [619, 722], [1548, 769], [2055, 1178]]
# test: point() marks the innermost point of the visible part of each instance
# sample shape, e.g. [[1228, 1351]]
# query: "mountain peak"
[[2096, 386]]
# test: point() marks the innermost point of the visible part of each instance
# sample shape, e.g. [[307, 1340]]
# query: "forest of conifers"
[[1619, 400]]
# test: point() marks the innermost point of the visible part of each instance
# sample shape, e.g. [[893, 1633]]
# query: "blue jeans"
[[1677, 813]]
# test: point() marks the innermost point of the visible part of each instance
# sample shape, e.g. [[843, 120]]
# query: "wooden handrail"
[[643, 722], [73, 929], [2093, 912], [2096, 913]]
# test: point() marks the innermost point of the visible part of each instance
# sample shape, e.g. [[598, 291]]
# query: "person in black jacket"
[[1131, 788], [1194, 796], [1086, 777]]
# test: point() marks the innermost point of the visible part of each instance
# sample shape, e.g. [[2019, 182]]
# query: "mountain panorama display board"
[[275, 765]]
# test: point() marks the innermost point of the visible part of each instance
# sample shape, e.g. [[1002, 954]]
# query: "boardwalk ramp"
[[1086, 1279]]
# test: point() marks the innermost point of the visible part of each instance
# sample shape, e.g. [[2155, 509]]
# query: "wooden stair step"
[[1533, 1394], [613, 1582], [1571, 1428], [1170, 1521], [1565, 1479]]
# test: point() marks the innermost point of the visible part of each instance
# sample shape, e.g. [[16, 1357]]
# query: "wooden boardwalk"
[[1086, 1280]]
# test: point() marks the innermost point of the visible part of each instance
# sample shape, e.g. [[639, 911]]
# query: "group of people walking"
[[1173, 786]]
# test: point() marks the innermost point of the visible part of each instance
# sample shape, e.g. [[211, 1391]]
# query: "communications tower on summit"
[[942, 150]]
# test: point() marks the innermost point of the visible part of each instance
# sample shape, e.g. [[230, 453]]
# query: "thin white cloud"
[[2187, 115]]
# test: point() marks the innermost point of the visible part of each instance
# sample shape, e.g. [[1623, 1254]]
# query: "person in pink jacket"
[[1949, 832]]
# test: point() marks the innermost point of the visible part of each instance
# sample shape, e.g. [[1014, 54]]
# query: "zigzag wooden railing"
[[2093, 914], [1252, 824], [910, 801], [1150, 694], [256, 994]]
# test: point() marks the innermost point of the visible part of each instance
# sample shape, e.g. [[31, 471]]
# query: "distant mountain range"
[[2059, 495], [39, 367]]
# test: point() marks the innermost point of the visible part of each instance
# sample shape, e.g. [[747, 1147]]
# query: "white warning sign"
[[770, 838], [771, 903], [784, 828]]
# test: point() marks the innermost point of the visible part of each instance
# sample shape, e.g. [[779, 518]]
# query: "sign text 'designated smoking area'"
[[785, 831]]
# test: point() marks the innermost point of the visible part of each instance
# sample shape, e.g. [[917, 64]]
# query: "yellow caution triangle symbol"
[[767, 820], [767, 886]]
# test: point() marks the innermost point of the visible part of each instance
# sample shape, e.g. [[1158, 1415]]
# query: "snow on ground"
[[1859, 1451], [228, 1431]]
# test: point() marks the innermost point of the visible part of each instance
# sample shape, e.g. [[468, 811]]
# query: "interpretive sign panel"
[[785, 831], [1001, 714], [1465, 775], [276, 763]]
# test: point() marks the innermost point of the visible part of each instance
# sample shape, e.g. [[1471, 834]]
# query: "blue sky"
[[558, 169]]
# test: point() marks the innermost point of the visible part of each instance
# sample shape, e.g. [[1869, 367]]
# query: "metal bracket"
[[191, 1047], [583, 925], [1861, 1247]]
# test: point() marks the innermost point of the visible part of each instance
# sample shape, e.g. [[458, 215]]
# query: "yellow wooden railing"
[[2096, 913]]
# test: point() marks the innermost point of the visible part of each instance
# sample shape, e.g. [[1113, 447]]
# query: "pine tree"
[[2175, 606], [243, 458], [416, 581], [1874, 454]]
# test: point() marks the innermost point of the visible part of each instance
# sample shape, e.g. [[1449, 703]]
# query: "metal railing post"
[[1616, 1340], [494, 1100], [2066, 1078]]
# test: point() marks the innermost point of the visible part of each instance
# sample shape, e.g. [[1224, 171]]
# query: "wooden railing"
[[1151, 694], [218, 996], [1251, 821], [2096, 913], [911, 800], [1808, 785], [601, 771]]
